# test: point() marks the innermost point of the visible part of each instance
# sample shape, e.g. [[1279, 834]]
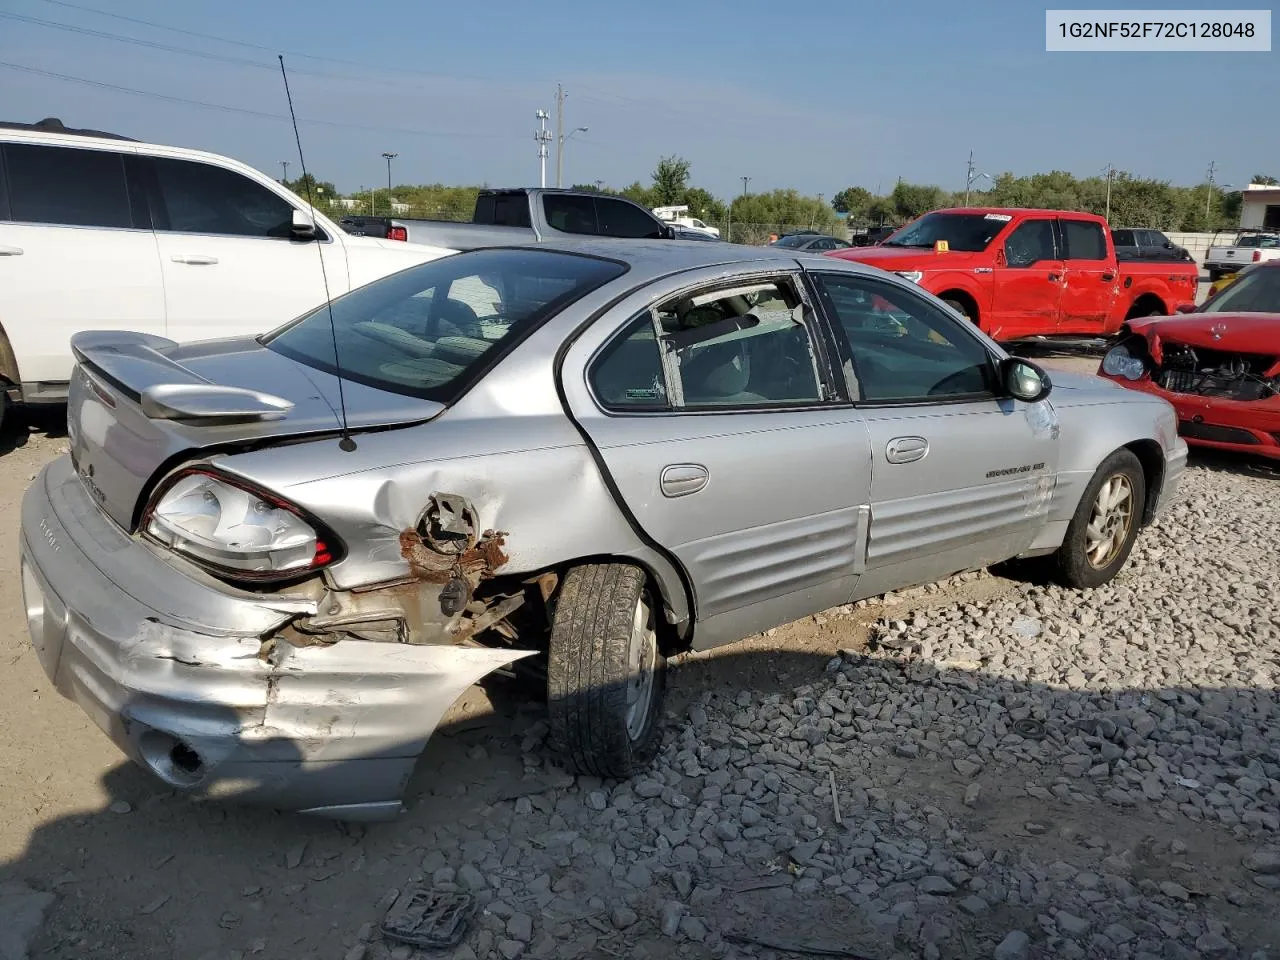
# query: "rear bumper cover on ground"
[[172, 669]]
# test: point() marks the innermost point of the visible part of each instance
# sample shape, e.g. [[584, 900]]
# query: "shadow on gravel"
[[1242, 464], [886, 806], [20, 422]]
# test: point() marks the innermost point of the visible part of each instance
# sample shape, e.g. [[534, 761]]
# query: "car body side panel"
[[1089, 435], [769, 538]]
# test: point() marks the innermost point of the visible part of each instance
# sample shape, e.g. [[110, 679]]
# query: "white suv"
[[104, 232]]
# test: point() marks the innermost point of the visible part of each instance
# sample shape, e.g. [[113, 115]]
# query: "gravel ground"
[[981, 768]]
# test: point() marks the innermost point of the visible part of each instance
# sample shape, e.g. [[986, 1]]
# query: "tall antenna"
[[346, 444]]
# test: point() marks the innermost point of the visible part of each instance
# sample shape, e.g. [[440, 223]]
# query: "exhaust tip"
[[171, 759]]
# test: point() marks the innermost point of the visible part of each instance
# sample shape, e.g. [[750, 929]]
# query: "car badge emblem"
[[1217, 330]]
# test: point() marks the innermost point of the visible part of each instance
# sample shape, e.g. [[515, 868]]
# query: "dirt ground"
[[140, 872]]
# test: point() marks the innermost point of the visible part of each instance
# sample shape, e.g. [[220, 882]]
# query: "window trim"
[[814, 322], [149, 174], [910, 293]]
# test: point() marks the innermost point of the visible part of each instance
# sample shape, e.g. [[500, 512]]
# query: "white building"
[[1260, 208], [401, 209]]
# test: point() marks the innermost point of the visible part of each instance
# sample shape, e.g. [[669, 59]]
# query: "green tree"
[[1263, 179], [880, 211], [853, 201], [645, 196], [670, 180], [703, 204], [757, 215], [911, 200], [322, 191]]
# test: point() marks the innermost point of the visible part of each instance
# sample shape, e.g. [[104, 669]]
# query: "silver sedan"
[[268, 566]]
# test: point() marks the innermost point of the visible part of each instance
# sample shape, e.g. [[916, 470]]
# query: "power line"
[[391, 68], [246, 111]]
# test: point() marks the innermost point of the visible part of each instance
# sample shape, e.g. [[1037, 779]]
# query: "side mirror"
[[1023, 380], [303, 227], [1185, 308], [1168, 245]]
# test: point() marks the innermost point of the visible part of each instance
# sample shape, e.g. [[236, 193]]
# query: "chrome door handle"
[[10, 251], [682, 479], [906, 449], [196, 259]]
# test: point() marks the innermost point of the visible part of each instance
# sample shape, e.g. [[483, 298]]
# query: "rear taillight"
[[1257, 256], [397, 233]]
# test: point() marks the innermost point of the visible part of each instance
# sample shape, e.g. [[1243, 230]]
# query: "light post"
[[389, 157], [745, 180], [284, 167], [564, 138]]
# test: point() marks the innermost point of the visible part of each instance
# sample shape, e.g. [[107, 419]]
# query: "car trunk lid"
[[139, 404]]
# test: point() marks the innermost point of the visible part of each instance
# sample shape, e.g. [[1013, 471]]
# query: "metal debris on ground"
[[430, 919], [1029, 729], [794, 946]]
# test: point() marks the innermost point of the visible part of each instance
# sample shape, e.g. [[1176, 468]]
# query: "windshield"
[[796, 240], [1257, 291], [968, 232], [1258, 241], [432, 330]]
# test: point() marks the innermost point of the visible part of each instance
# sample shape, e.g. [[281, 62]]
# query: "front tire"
[[606, 672], [1105, 526]]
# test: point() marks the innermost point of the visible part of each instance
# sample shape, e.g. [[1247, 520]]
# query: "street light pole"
[[744, 185], [1111, 172], [284, 166], [560, 150], [389, 157]]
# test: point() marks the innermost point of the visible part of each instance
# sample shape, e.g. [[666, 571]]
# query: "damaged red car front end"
[[1221, 372]]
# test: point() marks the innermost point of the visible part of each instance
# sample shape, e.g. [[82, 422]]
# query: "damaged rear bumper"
[[170, 668]]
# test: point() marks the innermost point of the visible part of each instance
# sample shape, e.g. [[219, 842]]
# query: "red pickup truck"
[[1021, 273]]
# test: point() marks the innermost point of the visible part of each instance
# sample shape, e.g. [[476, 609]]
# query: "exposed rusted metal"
[[466, 629]]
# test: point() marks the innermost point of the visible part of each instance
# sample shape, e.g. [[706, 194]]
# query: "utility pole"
[[600, 185], [1208, 195], [744, 185], [542, 136], [1111, 171], [389, 157], [968, 179], [559, 134], [284, 165]]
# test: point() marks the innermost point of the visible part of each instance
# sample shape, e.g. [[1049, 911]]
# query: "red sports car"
[[1219, 365]]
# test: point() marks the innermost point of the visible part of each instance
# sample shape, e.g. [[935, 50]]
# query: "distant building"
[[1260, 207], [348, 203], [401, 208]]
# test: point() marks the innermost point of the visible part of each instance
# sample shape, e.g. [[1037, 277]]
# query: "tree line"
[[1133, 201]]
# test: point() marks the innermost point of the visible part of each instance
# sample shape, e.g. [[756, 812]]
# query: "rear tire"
[[1105, 526], [1215, 276], [961, 309], [605, 672]]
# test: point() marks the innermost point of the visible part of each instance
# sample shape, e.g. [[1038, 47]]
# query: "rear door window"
[[1084, 240], [570, 214], [618, 219], [71, 187]]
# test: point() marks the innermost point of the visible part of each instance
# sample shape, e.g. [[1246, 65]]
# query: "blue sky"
[[816, 96]]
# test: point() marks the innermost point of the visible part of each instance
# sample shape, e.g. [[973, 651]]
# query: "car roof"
[[54, 125], [1024, 211], [653, 258]]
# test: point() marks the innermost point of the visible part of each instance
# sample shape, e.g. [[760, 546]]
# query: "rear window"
[[61, 185], [1257, 291], [431, 331], [1084, 240], [1258, 241]]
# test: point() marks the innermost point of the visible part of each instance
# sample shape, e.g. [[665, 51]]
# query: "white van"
[[103, 232]]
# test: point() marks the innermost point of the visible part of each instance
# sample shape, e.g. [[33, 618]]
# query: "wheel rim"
[[642, 656], [1110, 522]]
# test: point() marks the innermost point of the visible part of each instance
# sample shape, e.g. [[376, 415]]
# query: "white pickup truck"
[[1250, 247], [99, 231]]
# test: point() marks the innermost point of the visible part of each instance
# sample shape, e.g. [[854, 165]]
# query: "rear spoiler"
[[136, 364]]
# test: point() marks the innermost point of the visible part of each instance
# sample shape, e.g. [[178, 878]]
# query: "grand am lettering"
[[1014, 471]]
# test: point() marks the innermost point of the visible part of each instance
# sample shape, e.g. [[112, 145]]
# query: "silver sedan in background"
[[268, 566]]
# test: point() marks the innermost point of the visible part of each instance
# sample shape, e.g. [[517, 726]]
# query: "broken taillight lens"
[[235, 530], [397, 233]]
